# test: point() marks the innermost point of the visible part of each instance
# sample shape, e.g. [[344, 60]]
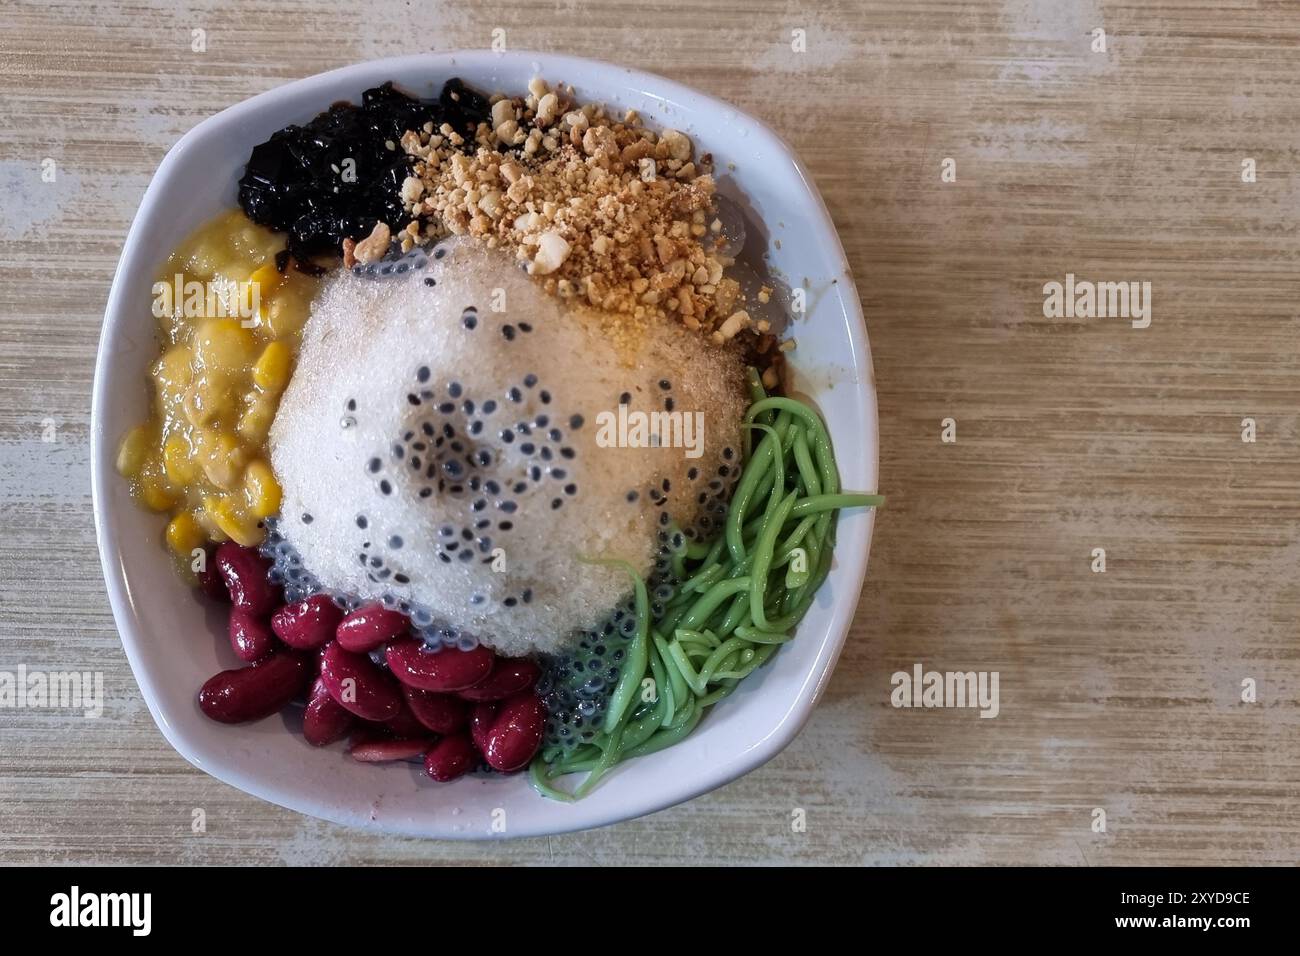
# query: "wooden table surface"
[[1119, 690]]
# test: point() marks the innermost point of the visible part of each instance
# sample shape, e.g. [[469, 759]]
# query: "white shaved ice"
[[372, 340]]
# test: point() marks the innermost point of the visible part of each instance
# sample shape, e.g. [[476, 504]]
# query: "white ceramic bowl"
[[174, 642]]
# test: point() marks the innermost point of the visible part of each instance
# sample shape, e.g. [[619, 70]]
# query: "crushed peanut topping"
[[601, 209], [373, 247]]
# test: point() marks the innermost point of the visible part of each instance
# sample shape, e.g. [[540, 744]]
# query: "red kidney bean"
[[307, 624], [443, 670], [254, 692], [370, 749], [210, 579], [508, 678], [516, 733], [450, 758], [325, 720], [367, 627], [405, 724], [244, 571], [356, 682], [250, 636], [480, 724], [441, 713]]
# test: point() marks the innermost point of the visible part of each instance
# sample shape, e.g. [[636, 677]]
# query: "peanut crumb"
[[598, 207], [375, 246]]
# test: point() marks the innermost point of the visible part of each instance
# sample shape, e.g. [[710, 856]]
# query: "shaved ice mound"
[[456, 441]]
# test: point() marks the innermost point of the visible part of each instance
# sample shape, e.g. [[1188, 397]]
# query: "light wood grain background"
[[1118, 690]]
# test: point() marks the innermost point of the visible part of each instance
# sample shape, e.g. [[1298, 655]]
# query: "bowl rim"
[[851, 556]]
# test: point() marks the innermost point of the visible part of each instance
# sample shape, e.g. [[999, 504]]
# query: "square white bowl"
[[174, 641]]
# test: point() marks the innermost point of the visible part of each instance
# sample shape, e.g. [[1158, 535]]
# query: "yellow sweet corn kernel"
[[266, 279], [155, 497], [271, 373], [255, 424], [184, 534], [133, 451], [210, 528], [212, 398], [197, 408], [222, 458], [224, 344], [152, 488], [201, 261], [261, 489], [178, 462], [230, 266], [256, 243], [226, 515], [172, 375], [287, 312]]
